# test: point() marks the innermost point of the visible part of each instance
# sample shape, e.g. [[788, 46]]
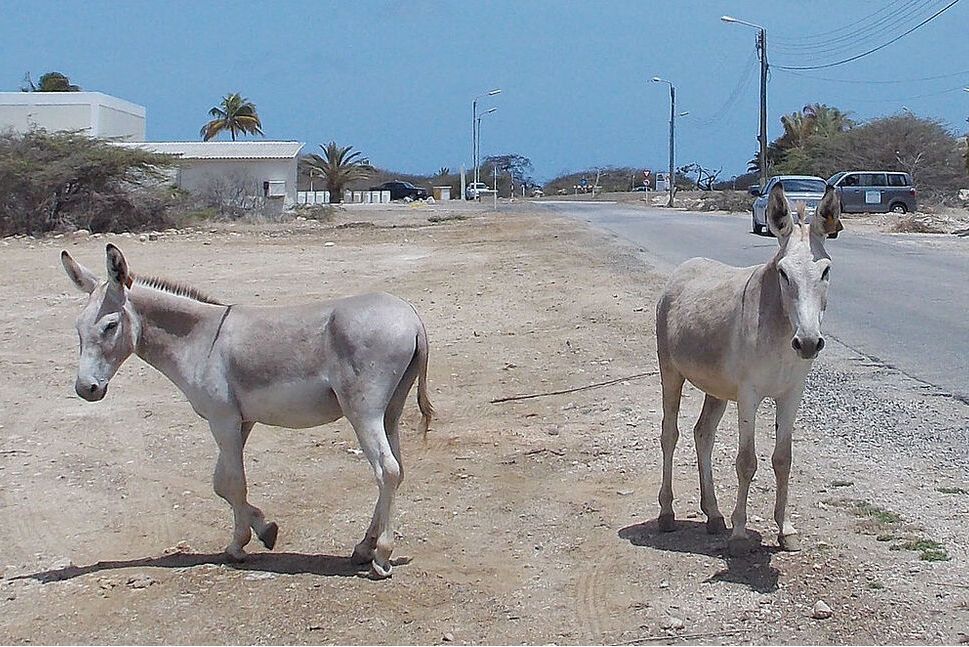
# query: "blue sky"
[[396, 79]]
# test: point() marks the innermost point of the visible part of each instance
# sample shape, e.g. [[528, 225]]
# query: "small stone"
[[448, 637], [262, 575], [152, 236], [672, 623], [821, 611], [142, 238], [664, 584], [140, 582], [329, 243]]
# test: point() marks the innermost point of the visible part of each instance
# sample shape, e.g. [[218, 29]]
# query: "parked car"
[[798, 188], [476, 190], [874, 191], [401, 190]]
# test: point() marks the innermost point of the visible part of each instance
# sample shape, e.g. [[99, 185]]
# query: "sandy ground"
[[522, 522]]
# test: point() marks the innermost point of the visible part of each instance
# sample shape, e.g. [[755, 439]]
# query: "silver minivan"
[[874, 191]]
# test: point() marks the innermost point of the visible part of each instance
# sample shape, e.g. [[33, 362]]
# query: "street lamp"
[[474, 129], [478, 152], [762, 46], [672, 176]]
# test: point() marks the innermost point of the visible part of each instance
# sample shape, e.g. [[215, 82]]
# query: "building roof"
[[69, 98], [223, 150]]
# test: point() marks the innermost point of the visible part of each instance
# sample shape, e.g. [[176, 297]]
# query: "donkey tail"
[[423, 401]]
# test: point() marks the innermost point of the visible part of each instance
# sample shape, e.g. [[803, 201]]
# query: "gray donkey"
[[290, 366], [745, 334]]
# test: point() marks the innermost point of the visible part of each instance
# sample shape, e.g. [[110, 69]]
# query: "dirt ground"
[[530, 521]]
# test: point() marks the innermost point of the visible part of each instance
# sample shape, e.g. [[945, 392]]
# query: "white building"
[[91, 113], [258, 168]]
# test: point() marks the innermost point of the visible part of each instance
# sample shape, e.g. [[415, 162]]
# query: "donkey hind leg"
[[746, 468], [364, 551], [378, 542], [672, 382], [787, 536], [230, 484], [704, 433]]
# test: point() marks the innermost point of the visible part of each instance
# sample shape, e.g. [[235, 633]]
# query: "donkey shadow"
[[280, 563], [752, 570]]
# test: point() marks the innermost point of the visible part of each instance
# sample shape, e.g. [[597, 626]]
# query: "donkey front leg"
[[746, 468], [229, 481], [378, 542], [787, 536]]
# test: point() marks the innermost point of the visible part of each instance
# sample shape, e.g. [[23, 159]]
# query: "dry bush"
[[54, 181], [917, 224]]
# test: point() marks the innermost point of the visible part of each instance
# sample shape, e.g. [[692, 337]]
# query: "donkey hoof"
[[739, 546], [790, 543], [716, 526], [378, 572], [362, 554], [268, 535], [235, 555], [666, 523]]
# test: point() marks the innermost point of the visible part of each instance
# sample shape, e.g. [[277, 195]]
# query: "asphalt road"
[[904, 302]]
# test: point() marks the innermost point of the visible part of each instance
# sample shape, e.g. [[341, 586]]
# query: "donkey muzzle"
[[807, 348], [90, 391]]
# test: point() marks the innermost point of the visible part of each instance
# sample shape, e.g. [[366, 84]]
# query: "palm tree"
[[235, 114], [338, 166], [827, 120], [49, 82], [444, 171]]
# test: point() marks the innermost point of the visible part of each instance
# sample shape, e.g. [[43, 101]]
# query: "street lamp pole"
[[672, 176], [478, 151], [474, 129], [762, 48]]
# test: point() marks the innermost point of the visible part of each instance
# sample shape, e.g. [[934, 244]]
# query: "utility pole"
[[762, 45], [475, 126], [672, 149], [762, 49], [672, 176]]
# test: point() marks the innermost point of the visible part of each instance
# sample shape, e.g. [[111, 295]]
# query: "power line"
[[869, 29], [862, 40], [878, 82], [871, 51], [916, 96], [889, 28], [849, 28], [742, 84]]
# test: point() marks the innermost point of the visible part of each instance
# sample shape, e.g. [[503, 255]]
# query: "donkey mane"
[[177, 289]]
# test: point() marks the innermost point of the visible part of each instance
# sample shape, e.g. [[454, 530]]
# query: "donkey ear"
[[827, 218], [118, 273], [779, 213], [82, 277]]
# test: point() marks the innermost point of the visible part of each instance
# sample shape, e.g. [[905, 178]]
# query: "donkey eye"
[[111, 325], [826, 273]]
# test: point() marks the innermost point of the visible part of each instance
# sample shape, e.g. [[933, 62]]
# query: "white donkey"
[[745, 334], [289, 366]]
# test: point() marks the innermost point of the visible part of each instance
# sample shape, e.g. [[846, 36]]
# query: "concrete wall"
[[92, 113], [113, 122], [198, 176]]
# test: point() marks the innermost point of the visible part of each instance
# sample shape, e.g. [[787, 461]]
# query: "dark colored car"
[[401, 190], [875, 191]]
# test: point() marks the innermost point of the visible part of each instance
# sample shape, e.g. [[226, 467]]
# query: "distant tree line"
[[822, 140]]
